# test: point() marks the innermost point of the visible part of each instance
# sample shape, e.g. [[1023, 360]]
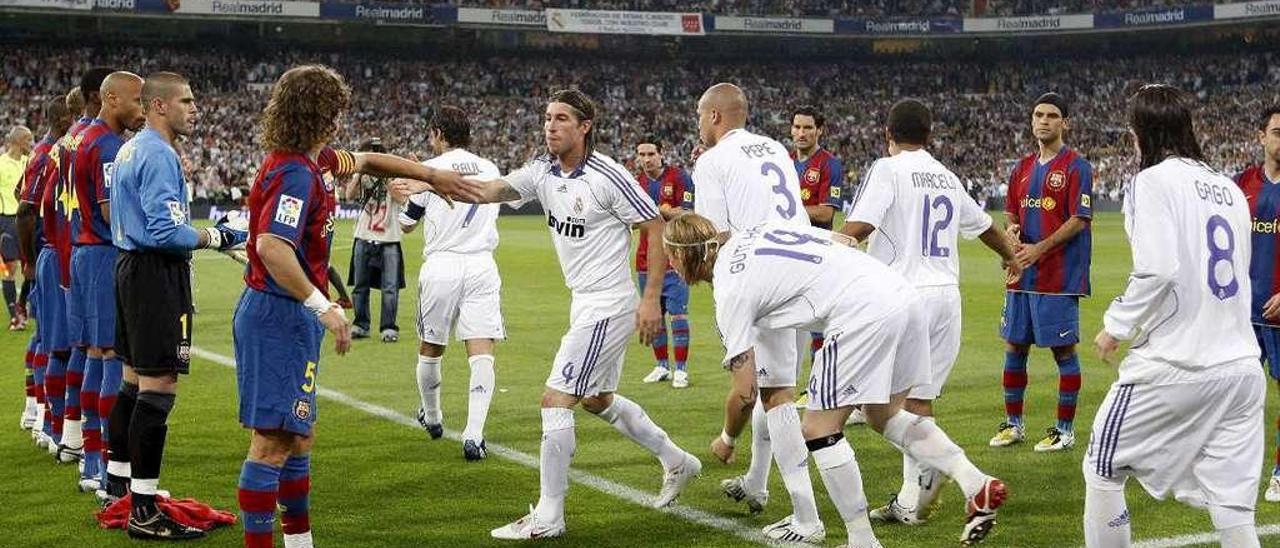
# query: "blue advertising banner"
[[1154, 16], [419, 14], [933, 25]]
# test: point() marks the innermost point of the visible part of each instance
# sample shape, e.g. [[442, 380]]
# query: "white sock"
[[1106, 518], [839, 470], [930, 446], [429, 387], [300, 540], [757, 478], [31, 404], [479, 396], [72, 434], [558, 445], [144, 486], [121, 469], [909, 494], [627, 417], [1235, 526], [39, 416], [1240, 536], [793, 458]]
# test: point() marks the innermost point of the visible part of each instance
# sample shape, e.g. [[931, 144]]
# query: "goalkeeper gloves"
[[228, 233]]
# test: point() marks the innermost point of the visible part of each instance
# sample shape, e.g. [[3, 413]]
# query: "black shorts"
[[9, 238], [153, 312]]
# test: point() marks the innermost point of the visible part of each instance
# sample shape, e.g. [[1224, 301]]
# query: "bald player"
[[743, 180], [91, 306], [12, 163]]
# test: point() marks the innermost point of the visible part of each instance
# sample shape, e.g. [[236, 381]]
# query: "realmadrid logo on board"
[[1057, 180], [302, 409]]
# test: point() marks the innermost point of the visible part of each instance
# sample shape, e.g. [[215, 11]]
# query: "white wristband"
[[317, 303], [727, 439]]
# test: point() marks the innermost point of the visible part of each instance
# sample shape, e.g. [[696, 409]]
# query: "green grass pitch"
[[377, 482]]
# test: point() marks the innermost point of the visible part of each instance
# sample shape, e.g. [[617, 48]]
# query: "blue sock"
[[1068, 391], [660, 347], [259, 488], [680, 332], [1015, 386]]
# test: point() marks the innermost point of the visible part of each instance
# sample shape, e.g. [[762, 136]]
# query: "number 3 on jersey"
[[929, 233], [1219, 254], [780, 188]]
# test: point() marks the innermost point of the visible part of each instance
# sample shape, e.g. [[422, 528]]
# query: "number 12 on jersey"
[[929, 246]]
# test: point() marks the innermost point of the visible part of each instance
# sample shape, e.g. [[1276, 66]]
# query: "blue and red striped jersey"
[[39, 171], [673, 188], [1264, 208], [291, 200], [59, 198], [821, 180], [1043, 197], [90, 184]]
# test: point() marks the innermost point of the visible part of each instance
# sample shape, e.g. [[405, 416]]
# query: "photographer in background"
[[376, 259]]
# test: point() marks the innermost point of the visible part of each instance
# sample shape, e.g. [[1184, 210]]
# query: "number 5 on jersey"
[[310, 375]]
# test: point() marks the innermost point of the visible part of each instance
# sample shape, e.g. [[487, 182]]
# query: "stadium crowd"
[[981, 109]]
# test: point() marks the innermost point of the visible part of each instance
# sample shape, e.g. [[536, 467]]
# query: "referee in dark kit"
[[151, 226]]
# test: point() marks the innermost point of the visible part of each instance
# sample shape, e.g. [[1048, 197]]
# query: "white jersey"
[[464, 228], [1186, 307], [920, 210], [377, 221], [781, 276], [745, 180], [589, 213]]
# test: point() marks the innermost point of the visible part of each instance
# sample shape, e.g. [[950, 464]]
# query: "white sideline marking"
[[617, 490], [1202, 538]]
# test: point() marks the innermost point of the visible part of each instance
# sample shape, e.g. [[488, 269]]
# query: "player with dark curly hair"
[[282, 316]]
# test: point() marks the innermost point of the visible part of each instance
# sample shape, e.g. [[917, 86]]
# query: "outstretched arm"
[[440, 181], [485, 192]]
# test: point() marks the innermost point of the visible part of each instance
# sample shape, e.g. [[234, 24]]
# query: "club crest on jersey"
[[302, 409], [1057, 180], [812, 175], [577, 205], [668, 191], [289, 210]]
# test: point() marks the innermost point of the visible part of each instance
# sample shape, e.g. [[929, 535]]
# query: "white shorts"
[[942, 305], [864, 362], [589, 361], [778, 356], [459, 292], [1201, 442]]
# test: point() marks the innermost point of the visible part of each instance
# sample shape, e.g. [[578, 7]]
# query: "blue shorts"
[[277, 342], [1269, 342], [675, 293], [91, 311], [1048, 321], [51, 323]]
